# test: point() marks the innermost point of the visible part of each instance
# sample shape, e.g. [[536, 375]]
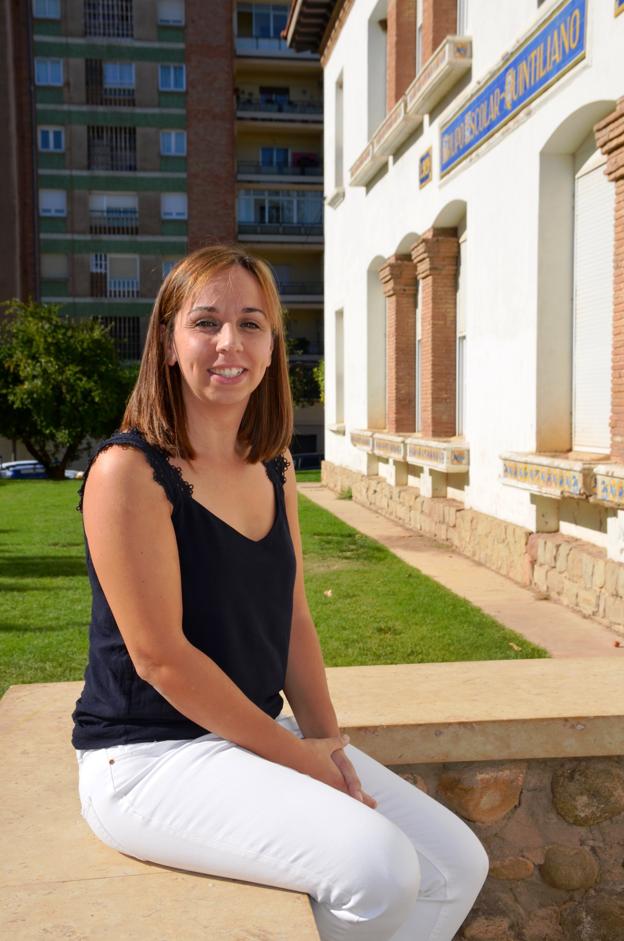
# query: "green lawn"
[[379, 611]]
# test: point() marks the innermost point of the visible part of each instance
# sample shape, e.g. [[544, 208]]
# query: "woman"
[[199, 621]]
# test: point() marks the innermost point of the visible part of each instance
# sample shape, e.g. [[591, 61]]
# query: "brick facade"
[[401, 53], [209, 56], [610, 138], [18, 237], [439, 21], [398, 280], [435, 256]]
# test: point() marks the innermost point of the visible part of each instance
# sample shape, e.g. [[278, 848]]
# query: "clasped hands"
[[327, 761]]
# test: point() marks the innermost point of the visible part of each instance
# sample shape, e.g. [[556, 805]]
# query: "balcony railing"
[[249, 168], [114, 222], [279, 228], [249, 105], [305, 288], [268, 46]]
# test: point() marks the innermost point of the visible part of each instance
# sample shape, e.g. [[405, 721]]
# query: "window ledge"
[[447, 455], [557, 475], [449, 62], [338, 429], [335, 198]]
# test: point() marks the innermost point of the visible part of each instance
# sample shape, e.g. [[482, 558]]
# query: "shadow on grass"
[[30, 566], [7, 627]]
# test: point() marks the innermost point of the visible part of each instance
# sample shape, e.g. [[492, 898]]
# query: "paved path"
[[559, 630]]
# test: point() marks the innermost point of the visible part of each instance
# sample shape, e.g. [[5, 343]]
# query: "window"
[[339, 366], [48, 71], [171, 78], [47, 9], [277, 207], [113, 213], [338, 132], [419, 35], [173, 206], [126, 335], [53, 202], [462, 17], [274, 95], [111, 148], [54, 267], [108, 18], [167, 265], [173, 143], [118, 74], [274, 156], [114, 276], [262, 20], [52, 139], [171, 12]]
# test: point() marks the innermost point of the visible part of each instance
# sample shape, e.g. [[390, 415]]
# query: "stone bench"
[[529, 752]]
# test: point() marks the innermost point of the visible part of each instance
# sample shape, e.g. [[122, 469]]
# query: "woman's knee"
[[385, 879]]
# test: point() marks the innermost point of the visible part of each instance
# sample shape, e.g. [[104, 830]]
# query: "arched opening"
[[375, 347]]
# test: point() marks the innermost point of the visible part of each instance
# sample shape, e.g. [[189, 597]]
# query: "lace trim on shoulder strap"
[[165, 474], [281, 465]]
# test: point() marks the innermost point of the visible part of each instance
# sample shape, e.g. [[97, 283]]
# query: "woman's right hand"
[[319, 764]]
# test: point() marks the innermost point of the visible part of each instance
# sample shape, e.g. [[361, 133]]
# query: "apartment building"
[[142, 129], [473, 276]]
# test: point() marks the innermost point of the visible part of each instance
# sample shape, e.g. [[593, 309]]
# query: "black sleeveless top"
[[237, 607]]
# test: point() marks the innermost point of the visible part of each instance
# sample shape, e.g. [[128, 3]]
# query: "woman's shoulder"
[[280, 464]]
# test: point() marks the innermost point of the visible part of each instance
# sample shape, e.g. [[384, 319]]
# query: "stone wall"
[[554, 832], [575, 573]]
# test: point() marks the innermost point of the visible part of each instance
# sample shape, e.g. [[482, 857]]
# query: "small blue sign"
[[425, 168], [546, 55], [619, 7]]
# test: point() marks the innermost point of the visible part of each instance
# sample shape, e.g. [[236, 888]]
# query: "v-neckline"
[[223, 522]]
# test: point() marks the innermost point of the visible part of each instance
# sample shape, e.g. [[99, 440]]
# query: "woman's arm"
[[306, 684], [127, 520]]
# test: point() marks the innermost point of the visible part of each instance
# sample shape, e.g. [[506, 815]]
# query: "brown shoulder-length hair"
[[156, 405]]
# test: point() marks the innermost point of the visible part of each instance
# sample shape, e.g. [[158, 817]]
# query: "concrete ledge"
[[59, 881]]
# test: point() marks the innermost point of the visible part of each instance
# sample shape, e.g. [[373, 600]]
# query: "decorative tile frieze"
[[548, 475], [445, 456], [362, 440], [608, 485], [392, 446]]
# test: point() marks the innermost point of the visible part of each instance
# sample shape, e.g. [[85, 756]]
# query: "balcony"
[[111, 148], [260, 109], [248, 170], [116, 288], [114, 222], [302, 292], [281, 231], [451, 60], [269, 46]]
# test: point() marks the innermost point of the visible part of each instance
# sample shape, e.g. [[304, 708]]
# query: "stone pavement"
[[559, 630]]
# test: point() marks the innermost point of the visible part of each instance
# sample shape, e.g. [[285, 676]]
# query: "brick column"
[[439, 21], [401, 57], [610, 138], [435, 258], [210, 115], [398, 280]]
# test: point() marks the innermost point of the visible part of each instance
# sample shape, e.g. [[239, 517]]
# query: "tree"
[[60, 382], [304, 384]]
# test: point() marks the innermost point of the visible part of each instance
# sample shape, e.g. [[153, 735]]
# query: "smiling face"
[[222, 340]]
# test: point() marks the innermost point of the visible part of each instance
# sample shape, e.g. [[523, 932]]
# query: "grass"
[[378, 610]]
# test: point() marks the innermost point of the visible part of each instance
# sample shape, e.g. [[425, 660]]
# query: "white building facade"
[[474, 273]]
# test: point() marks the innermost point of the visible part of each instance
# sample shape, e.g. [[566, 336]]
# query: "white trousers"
[[409, 870]]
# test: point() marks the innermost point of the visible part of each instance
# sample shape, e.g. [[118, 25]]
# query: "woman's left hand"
[[349, 774]]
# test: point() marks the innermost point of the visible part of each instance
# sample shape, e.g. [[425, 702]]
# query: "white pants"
[[409, 870]]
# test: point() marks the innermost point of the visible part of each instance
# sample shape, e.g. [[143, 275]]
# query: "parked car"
[[31, 470]]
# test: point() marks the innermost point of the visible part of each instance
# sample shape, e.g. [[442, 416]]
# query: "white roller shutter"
[[594, 210]]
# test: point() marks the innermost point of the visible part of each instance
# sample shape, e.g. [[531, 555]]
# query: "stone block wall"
[[554, 832], [571, 571]]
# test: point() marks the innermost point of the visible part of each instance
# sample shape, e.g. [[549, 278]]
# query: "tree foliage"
[[304, 383], [60, 382]]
